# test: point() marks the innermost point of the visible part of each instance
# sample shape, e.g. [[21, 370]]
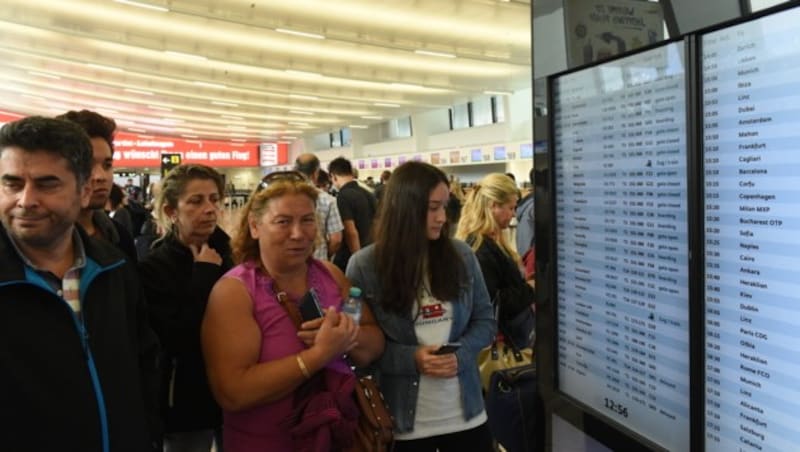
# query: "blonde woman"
[[487, 212]]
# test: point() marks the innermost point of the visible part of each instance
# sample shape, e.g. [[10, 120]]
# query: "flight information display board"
[[751, 120], [620, 175]]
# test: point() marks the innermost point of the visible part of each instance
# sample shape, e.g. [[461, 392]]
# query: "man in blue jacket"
[[77, 361]]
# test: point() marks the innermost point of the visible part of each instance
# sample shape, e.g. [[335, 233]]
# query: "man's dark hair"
[[62, 138], [307, 164], [340, 166], [94, 124], [385, 175]]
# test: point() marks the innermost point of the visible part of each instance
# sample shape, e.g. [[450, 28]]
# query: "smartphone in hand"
[[449, 347], [309, 306]]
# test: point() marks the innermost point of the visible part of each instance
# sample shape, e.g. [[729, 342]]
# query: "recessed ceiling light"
[[299, 33], [436, 54], [302, 73], [498, 93], [372, 117], [224, 104], [143, 5], [358, 126], [138, 91], [185, 55], [44, 74], [383, 104], [303, 96], [105, 68], [209, 85]]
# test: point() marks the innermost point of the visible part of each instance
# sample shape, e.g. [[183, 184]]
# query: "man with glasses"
[[330, 222]]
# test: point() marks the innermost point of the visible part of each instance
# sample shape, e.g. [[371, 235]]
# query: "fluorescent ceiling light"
[[288, 138], [37, 98], [436, 54], [143, 5], [299, 33], [406, 85], [299, 124], [300, 112], [235, 118], [498, 93], [138, 91], [224, 104], [236, 127], [156, 107], [189, 136], [237, 134], [184, 129], [107, 111], [131, 129], [382, 104], [358, 126], [44, 74], [372, 117], [105, 68], [173, 121], [209, 85], [185, 55], [303, 73], [238, 139], [302, 96]]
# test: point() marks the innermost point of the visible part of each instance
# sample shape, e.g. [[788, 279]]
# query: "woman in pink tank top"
[[256, 358]]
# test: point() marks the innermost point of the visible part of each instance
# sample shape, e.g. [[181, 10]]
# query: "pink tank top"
[[258, 429]]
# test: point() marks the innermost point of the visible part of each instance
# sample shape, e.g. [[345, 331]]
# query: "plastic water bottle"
[[352, 306]]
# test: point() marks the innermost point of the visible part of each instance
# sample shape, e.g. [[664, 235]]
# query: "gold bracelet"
[[302, 365]]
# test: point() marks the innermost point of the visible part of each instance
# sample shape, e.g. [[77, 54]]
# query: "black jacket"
[[177, 290], [65, 383], [506, 286]]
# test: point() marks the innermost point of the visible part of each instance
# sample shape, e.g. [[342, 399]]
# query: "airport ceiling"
[[258, 70]]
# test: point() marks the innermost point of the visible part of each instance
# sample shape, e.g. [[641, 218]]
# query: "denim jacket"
[[396, 371]]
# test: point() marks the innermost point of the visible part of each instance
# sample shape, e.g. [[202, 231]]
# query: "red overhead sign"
[[132, 150]]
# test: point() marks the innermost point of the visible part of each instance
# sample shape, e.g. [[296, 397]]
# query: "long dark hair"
[[403, 252]]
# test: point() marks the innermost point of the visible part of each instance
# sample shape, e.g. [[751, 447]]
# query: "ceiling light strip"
[[143, 5], [300, 33]]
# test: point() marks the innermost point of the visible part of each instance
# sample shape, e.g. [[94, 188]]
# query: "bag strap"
[[291, 309], [507, 338]]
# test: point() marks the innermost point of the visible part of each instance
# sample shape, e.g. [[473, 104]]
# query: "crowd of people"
[[190, 342]]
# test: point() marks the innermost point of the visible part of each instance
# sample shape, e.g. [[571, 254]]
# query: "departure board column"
[[621, 231], [751, 122]]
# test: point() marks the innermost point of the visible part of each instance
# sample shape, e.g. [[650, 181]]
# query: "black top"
[[506, 286], [177, 290], [356, 204], [49, 400]]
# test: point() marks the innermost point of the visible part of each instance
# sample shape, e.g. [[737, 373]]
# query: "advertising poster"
[[600, 29]]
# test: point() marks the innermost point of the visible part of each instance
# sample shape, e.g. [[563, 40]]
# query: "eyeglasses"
[[291, 176]]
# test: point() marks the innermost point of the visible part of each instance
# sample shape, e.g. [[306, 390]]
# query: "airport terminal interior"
[[655, 141]]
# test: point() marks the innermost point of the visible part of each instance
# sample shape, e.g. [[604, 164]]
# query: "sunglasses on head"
[[291, 176]]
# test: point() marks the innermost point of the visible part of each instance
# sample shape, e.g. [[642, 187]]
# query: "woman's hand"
[[337, 334], [308, 330], [440, 366], [205, 253]]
